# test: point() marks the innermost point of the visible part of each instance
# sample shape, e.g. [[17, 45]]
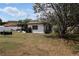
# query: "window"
[[35, 27]]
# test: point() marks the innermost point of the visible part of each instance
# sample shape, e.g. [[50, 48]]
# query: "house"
[[11, 25], [39, 27]]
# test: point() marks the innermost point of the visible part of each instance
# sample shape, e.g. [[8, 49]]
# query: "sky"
[[16, 11]]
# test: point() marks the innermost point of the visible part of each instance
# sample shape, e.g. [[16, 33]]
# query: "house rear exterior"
[[38, 27]]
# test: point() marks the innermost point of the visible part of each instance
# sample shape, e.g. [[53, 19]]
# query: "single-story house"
[[39, 27], [10, 25]]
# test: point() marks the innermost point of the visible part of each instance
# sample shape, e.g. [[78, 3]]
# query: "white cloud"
[[17, 13], [3, 18], [13, 11], [30, 14]]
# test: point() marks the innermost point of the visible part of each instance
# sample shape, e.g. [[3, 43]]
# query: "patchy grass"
[[73, 42], [32, 44], [8, 45]]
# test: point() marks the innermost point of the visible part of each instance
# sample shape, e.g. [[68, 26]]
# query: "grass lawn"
[[32, 44]]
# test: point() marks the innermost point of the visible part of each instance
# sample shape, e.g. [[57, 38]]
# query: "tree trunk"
[[62, 31]]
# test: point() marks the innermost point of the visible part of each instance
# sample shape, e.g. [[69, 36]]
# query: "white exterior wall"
[[2, 28], [39, 30]]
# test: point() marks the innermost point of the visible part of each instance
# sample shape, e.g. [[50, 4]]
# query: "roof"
[[11, 23], [35, 23]]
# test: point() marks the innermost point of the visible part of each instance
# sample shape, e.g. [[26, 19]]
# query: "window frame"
[[35, 27]]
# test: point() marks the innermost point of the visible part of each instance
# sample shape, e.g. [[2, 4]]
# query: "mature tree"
[[19, 22], [23, 24], [0, 20], [1, 23], [62, 14], [24, 21]]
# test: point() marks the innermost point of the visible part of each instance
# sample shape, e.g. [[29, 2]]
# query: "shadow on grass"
[[72, 37], [51, 35], [5, 36], [73, 41]]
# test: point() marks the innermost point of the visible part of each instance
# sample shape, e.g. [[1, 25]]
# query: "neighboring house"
[[11, 25], [39, 27]]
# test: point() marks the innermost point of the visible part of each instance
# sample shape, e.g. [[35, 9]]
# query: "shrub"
[[6, 33]]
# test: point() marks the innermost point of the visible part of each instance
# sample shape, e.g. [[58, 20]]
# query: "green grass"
[[76, 47], [8, 45]]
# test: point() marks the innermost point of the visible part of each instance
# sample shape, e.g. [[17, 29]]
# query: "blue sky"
[[16, 11]]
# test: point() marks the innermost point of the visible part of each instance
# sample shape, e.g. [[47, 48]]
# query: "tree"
[[64, 15], [0, 20], [23, 24], [24, 21], [1, 23], [19, 22]]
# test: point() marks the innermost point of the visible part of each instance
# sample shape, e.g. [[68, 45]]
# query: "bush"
[[75, 48], [72, 35], [6, 33]]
